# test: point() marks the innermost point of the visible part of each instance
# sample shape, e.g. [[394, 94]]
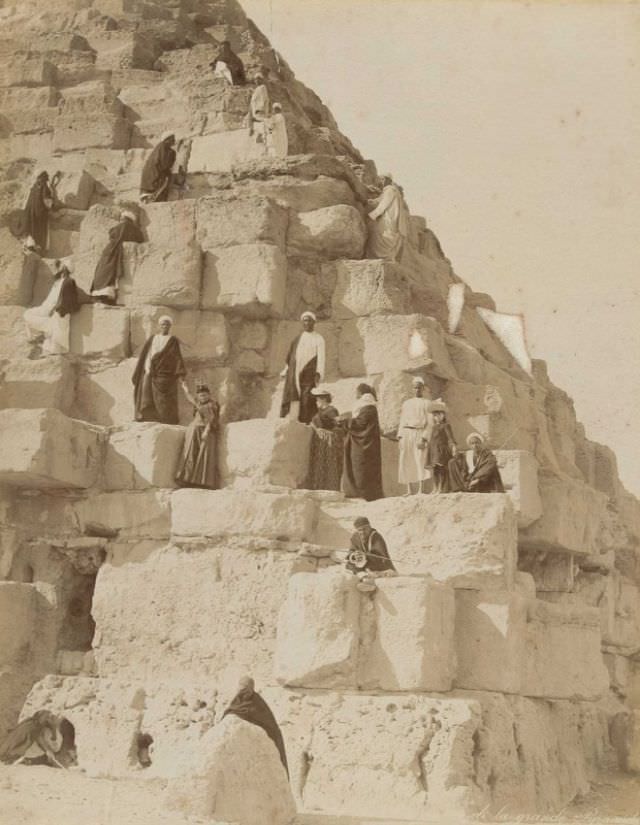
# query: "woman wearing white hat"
[[158, 170], [441, 447], [325, 455], [110, 267]]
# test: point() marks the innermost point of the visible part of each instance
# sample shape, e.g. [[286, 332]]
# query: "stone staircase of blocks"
[[488, 672]]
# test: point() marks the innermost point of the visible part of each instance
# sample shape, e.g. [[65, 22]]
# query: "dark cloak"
[[35, 218], [234, 63], [307, 379], [250, 706], [326, 451], [68, 300], [375, 548], [362, 472], [110, 267], [439, 447], [18, 741], [457, 475], [156, 393], [157, 171], [199, 462], [486, 473]]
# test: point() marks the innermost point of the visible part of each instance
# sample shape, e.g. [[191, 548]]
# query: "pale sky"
[[511, 127]]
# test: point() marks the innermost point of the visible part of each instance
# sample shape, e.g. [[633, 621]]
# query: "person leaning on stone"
[[229, 66], [110, 267], [157, 171], [155, 379], [34, 224], [441, 447], [388, 225], [303, 371], [485, 476]]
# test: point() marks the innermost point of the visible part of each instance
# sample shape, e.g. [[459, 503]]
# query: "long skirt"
[[198, 465], [325, 461], [156, 399], [411, 458]]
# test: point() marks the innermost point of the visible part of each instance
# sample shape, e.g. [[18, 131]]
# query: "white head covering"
[[320, 391], [168, 133], [474, 437], [277, 107], [437, 406], [66, 263], [308, 314], [165, 318], [127, 213], [417, 381]]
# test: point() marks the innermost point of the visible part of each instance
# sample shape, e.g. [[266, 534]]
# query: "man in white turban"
[[388, 223], [412, 433], [155, 379], [304, 370]]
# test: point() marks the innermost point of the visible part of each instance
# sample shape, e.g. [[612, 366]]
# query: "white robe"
[[158, 343], [414, 423], [389, 225], [43, 319], [277, 138], [310, 345]]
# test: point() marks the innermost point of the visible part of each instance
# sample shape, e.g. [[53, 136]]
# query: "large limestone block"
[[13, 333], [104, 392], [134, 514], [226, 220], [142, 455], [28, 69], [162, 276], [221, 151], [105, 131], [203, 335], [380, 343], [572, 515], [172, 224], [465, 538], [248, 279], [519, 473], [409, 642], [304, 195], [44, 448], [368, 288], [238, 778], [100, 331], [224, 513], [319, 632], [17, 271], [45, 382], [265, 451], [332, 232]]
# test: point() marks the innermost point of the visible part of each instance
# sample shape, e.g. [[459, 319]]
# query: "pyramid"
[[499, 670]]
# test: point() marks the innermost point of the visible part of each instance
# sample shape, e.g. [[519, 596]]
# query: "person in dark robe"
[[199, 462], [42, 739], [250, 706], [325, 453], [303, 371], [229, 66], [457, 477], [368, 550], [158, 171], [155, 379], [441, 446], [110, 267], [485, 476], [362, 471], [35, 217]]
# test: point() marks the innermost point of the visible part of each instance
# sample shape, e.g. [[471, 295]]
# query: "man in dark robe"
[[362, 469], [485, 476], [457, 477], [368, 551], [250, 706], [227, 64], [304, 371], [158, 170], [42, 739], [110, 267], [35, 218], [155, 378]]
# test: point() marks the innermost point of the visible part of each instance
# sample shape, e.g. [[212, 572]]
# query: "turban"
[[361, 521], [437, 406], [417, 381], [474, 437], [321, 392], [308, 314], [127, 213], [165, 318], [166, 135]]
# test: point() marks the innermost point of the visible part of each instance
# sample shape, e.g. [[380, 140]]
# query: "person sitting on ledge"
[[229, 66], [157, 172], [368, 550], [155, 378], [52, 318], [485, 476], [41, 739]]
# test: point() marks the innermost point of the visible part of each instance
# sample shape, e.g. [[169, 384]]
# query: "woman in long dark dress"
[[199, 463], [441, 447], [325, 455], [157, 171], [362, 473], [35, 218]]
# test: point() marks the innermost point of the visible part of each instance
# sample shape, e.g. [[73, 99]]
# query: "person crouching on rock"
[[485, 476], [42, 739], [368, 554]]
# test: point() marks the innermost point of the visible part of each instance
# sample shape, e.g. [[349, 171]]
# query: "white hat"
[[277, 107], [474, 437], [308, 314], [127, 213], [320, 391], [418, 381], [165, 318], [437, 406]]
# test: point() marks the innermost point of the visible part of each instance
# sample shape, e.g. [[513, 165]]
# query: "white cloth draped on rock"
[[413, 427], [43, 319], [389, 225]]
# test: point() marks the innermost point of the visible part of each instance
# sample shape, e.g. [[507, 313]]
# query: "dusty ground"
[[44, 796]]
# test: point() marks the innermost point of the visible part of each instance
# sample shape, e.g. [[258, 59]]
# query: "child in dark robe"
[[441, 446]]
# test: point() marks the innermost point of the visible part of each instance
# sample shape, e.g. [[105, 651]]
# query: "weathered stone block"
[[519, 473], [227, 220], [171, 225], [104, 394], [380, 343], [203, 335], [265, 451], [367, 288], [224, 513], [248, 279], [44, 448], [100, 331], [34, 384], [135, 515], [318, 631], [161, 276], [552, 571], [464, 538], [144, 455], [18, 271], [28, 69], [332, 232], [105, 131], [305, 195], [221, 151]]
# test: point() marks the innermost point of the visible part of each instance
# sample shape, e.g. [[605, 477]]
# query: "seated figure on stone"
[[42, 739], [155, 379], [259, 109], [247, 704], [157, 172], [441, 447], [457, 479], [485, 476], [362, 470], [388, 225], [229, 66], [110, 267], [368, 555], [52, 319], [325, 454], [34, 226], [303, 371], [276, 134], [412, 435], [199, 461]]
